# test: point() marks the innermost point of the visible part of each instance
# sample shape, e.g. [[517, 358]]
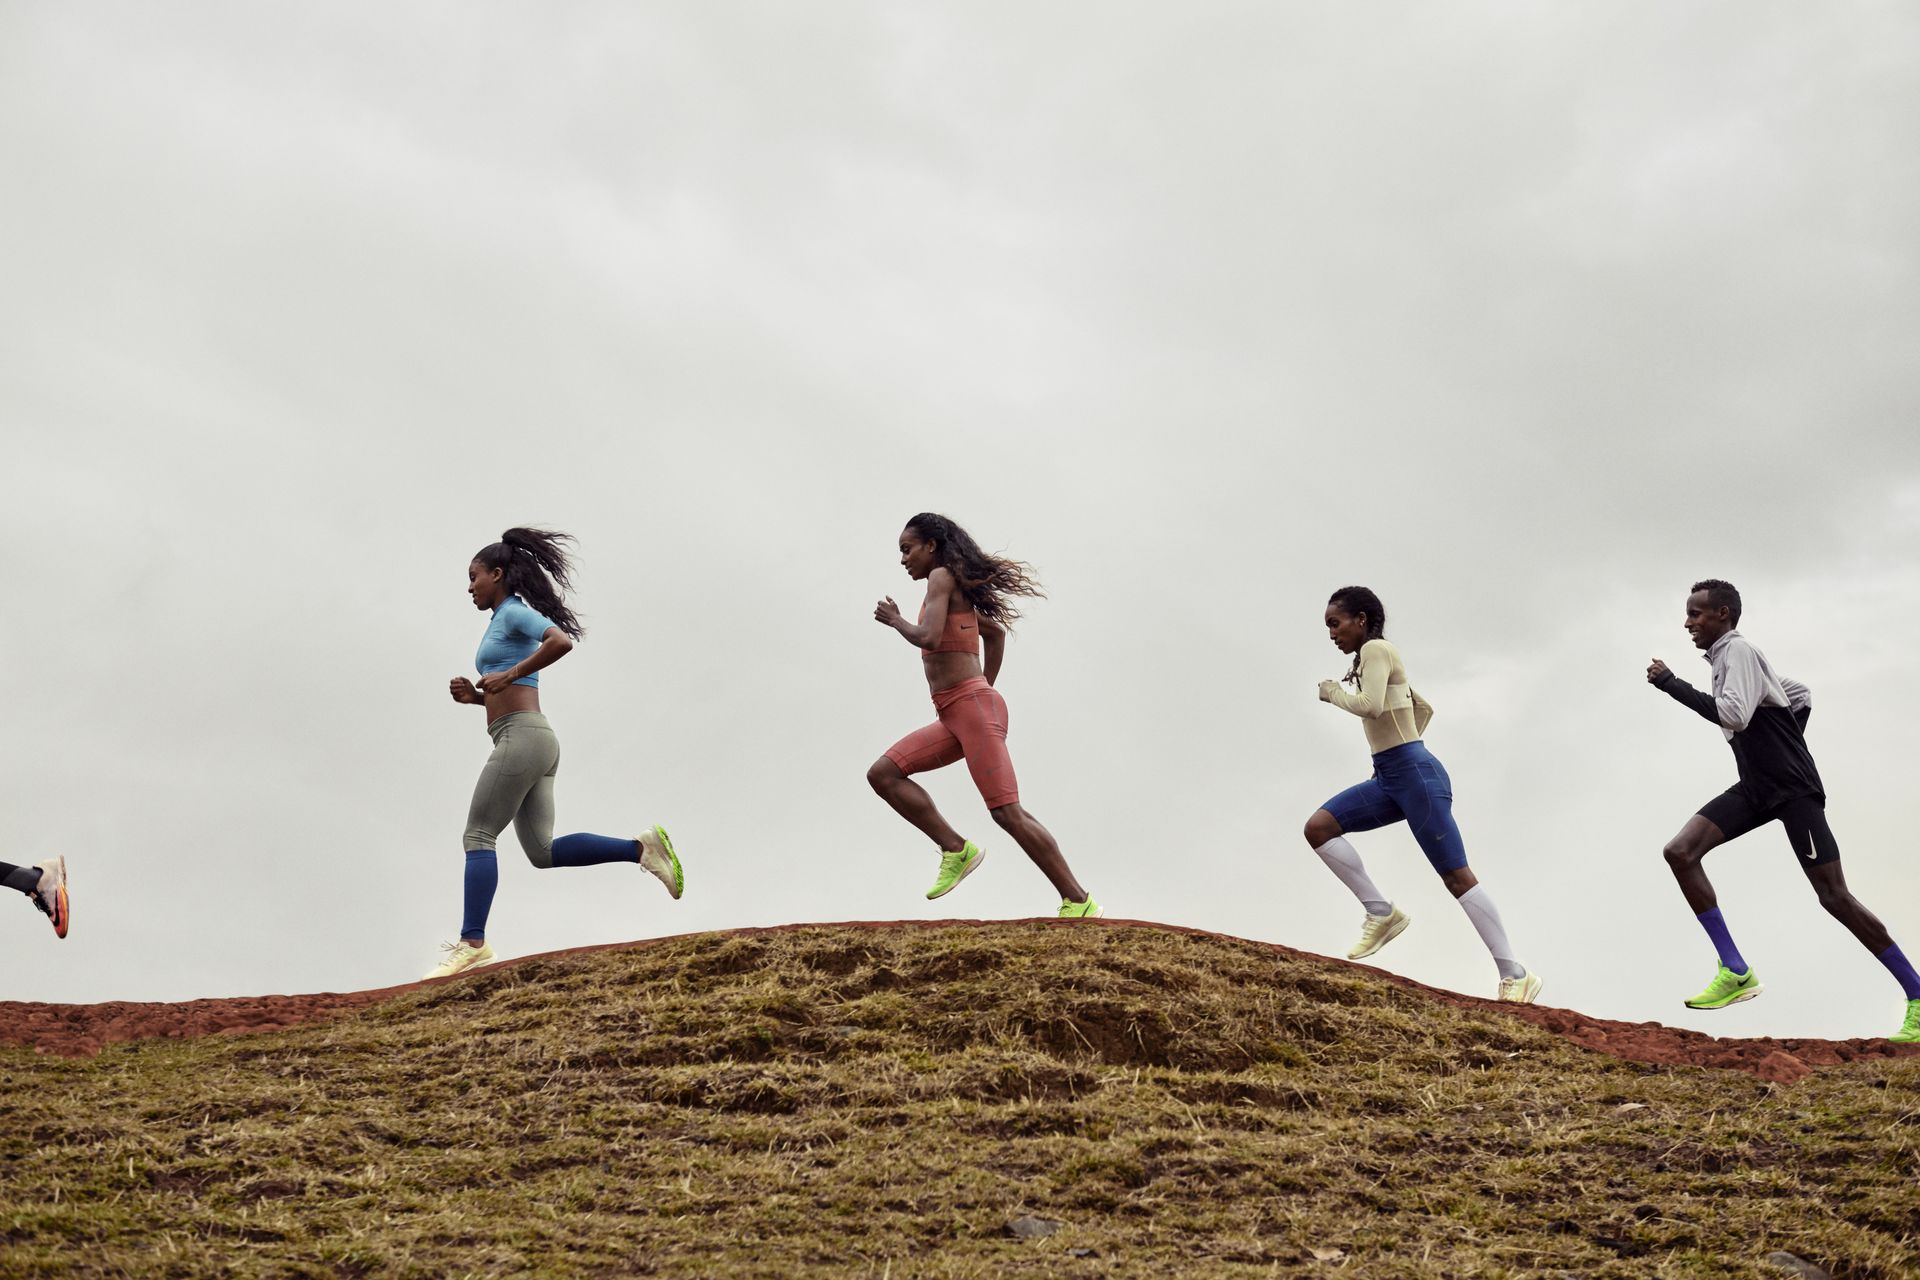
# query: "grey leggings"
[[517, 786]]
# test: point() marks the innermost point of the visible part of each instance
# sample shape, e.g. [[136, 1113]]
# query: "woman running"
[[45, 883], [1408, 784], [521, 579], [969, 603]]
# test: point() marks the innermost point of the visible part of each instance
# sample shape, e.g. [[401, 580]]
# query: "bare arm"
[[463, 690], [993, 641], [933, 617], [554, 645]]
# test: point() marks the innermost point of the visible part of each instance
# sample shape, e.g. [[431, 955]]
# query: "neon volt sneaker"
[[955, 867], [1521, 990], [1727, 988], [657, 858], [51, 895], [1377, 931], [1071, 910], [457, 957], [1909, 1032]]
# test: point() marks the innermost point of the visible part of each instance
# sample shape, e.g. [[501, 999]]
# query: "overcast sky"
[[1524, 315]]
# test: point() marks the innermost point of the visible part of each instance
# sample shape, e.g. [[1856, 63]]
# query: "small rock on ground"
[[1028, 1227], [1797, 1265]]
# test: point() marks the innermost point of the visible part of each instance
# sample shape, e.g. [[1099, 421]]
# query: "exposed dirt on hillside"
[[82, 1030]]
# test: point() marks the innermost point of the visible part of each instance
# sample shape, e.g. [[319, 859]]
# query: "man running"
[[46, 884], [1764, 719]]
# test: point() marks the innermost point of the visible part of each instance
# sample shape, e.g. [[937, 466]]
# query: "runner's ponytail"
[[989, 583], [537, 567]]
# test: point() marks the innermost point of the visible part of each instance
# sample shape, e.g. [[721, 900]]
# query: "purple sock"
[[585, 850], [1902, 968], [1716, 929]]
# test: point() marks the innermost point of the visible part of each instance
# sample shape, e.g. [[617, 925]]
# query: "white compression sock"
[[1478, 904], [1344, 861]]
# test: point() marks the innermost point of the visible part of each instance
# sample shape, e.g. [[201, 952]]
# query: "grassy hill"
[[885, 1100]]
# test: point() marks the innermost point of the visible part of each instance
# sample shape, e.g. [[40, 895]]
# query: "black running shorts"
[[1804, 817]]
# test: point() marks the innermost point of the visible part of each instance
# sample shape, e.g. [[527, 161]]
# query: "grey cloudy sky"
[[1525, 315]]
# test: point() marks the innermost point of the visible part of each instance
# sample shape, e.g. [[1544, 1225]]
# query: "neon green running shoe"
[[1909, 1032], [659, 860], [955, 867], [1727, 988], [1071, 910]]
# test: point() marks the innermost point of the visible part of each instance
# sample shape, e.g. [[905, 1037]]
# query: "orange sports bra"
[[960, 635]]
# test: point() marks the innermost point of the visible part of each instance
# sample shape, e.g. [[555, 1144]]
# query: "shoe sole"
[[965, 871], [1741, 998], [1392, 933], [468, 967], [678, 885], [62, 908]]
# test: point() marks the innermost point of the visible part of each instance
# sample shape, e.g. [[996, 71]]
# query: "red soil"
[[80, 1030]]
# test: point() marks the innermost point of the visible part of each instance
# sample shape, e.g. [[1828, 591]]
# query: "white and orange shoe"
[[51, 894]]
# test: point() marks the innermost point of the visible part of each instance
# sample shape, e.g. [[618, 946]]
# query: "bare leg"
[[1040, 846], [1830, 884], [911, 801], [1684, 853]]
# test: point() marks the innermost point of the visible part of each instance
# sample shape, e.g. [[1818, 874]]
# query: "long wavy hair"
[[537, 568], [1354, 602], [989, 583]]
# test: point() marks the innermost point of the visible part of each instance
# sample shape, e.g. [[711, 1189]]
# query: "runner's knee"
[[882, 772], [1835, 901], [1009, 816], [1321, 827], [1681, 854], [541, 854]]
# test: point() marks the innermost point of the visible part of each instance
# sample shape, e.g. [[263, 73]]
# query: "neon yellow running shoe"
[[1377, 931], [458, 957], [1909, 1032], [1727, 988], [1524, 989], [1071, 910], [955, 867], [658, 859]]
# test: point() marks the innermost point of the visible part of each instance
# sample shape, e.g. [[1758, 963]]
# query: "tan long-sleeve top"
[[1394, 714]]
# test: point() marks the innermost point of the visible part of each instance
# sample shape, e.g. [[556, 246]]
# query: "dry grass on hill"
[[870, 1101]]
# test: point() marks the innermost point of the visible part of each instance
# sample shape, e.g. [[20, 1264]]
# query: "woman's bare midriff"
[[944, 670], [516, 697]]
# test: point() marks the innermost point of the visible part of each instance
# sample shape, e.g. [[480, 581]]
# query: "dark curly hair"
[[1356, 602], [989, 583], [1721, 593], [538, 569]]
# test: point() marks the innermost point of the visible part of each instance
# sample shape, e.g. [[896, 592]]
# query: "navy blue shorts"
[[1410, 785], [1736, 812]]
